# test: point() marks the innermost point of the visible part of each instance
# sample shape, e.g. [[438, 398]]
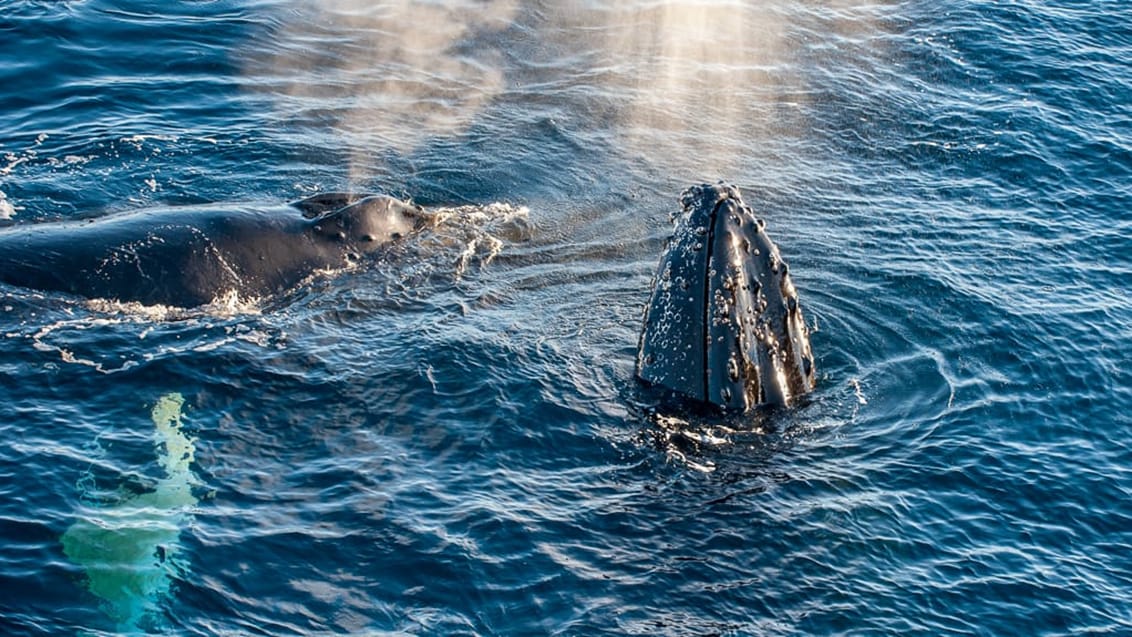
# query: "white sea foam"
[[479, 233], [227, 304], [61, 336], [7, 210]]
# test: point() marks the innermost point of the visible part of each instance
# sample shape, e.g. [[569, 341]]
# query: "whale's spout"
[[723, 325]]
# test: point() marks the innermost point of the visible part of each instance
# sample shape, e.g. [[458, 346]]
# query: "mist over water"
[[382, 76], [450, 440], [684, 85]]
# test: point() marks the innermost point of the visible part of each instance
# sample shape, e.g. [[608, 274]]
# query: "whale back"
[[189, 255]]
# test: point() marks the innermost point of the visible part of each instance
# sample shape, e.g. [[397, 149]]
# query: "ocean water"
[[451, 441]]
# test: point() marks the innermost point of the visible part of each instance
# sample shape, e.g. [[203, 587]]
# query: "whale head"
[[370, 222], [723, 325]]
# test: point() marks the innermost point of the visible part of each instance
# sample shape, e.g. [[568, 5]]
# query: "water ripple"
[[451, 441]]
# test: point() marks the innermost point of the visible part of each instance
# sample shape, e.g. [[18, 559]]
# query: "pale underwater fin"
[[129, 550]]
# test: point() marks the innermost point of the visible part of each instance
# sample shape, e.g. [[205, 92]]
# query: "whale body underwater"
[[723, 326]]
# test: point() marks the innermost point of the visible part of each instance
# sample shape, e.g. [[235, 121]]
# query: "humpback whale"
[[188, 256], [723, 326]]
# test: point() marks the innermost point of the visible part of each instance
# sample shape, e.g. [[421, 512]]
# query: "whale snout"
[[371, 221], [389, 219], [723, 325]]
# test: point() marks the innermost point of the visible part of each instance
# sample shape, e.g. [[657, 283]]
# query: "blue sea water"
[[452, 442]]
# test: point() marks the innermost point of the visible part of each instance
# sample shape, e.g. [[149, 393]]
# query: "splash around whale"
[[723, 326], [188, 256]]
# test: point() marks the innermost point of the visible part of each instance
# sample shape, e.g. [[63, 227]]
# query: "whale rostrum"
[[723, 325]]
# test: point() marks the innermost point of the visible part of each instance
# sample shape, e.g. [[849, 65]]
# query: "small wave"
[[138, 140], [28, 154], [115, 337]]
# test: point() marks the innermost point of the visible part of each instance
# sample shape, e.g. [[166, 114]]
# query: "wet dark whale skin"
[[723, 326], [187, 256]]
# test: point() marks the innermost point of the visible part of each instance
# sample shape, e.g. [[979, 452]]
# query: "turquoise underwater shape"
[[130, 551]]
